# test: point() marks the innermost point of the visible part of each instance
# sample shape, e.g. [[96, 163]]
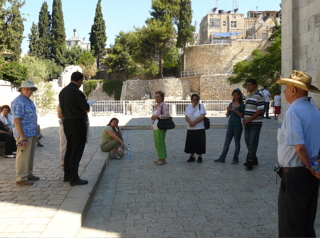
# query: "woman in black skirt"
[[196, 134]]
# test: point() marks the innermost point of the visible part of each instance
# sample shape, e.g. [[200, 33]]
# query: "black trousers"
[[10, 143], [297, 204], [76, 133]]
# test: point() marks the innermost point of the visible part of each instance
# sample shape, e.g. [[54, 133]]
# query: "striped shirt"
[[254, 102]]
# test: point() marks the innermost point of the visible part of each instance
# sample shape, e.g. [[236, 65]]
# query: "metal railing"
[[198, 72], [145, 108]]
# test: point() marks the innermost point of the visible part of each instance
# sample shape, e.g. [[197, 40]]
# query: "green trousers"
[[159, 137]]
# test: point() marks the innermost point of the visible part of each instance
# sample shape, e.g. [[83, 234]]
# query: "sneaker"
[[218, 161], [116, 157], [249, 165], [199, 159], [191, 159]]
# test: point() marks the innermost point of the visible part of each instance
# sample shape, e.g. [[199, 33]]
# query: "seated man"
[[10, 143]]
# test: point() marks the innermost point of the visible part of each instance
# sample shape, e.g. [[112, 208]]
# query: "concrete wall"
[[301, 39], [220, 58]]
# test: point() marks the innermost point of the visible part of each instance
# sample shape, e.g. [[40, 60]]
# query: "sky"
[[124, 15]]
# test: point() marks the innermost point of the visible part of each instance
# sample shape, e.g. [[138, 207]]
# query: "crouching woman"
[[111, 139]]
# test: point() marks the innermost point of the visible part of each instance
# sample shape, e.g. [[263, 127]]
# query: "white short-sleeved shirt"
[[193, 113], [277, 100], [300, 126], [266, 95]]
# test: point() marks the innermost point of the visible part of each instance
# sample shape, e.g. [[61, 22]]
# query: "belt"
[[288, 170]]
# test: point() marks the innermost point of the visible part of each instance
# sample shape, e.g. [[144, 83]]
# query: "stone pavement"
[[135, 198]]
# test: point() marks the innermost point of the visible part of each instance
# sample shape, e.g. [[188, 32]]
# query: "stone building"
[[301, 39], [219, 25], [77, 41]]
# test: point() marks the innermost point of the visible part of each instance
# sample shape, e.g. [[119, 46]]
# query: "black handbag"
[[165, 124], [206, 121]]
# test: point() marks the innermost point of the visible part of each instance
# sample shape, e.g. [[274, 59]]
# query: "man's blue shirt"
[[24, 108]]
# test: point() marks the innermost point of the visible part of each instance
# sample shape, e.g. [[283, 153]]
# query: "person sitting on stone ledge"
[[10, 143]]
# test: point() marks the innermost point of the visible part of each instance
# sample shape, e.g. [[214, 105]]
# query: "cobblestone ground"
[[135, 198], [26, 210]]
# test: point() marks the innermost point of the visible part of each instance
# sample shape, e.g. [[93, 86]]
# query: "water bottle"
[[128, 151], [315, 165]]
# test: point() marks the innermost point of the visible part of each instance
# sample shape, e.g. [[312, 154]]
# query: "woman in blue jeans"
[[235, 111]]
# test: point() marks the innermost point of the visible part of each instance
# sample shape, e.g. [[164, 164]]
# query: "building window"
[[224, 23], [215, 23], [233, 24]]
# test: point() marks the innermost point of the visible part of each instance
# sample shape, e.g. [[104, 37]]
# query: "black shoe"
[[268, 117], [66, 180], [79, 182], [255, 162], [235, 162], [199, 159], [191, 159], [218, 161], [249, 165]]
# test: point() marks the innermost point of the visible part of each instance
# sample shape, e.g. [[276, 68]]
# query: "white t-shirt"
[[266, 95], [193, 113], [277, 100]]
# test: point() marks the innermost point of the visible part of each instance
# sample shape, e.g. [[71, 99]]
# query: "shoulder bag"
[[165, 124], [206, 120]]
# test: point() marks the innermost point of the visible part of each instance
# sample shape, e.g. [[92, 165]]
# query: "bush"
[[113, 87], [13, 71], [89, 86]]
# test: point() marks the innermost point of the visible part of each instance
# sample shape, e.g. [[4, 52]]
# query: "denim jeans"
[[236, 133], [266, 108], [251, 136]]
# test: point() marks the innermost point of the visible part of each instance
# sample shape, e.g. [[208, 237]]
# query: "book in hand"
[[91, 102]]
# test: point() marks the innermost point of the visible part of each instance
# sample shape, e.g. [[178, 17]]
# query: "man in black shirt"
[[74, 109]]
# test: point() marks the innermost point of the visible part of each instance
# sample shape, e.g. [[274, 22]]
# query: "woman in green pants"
[[161, 111]]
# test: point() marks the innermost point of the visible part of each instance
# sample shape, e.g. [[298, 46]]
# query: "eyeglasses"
[[195, 100]]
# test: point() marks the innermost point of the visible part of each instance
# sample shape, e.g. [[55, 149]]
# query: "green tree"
[[98, 35], [37, 69], [13, 71], [53, 69], [58, 32], [44, 98], [87, 63], [44, 28], [121, 56], [264, 66], [185, 28], [34, 48], [11, 27]]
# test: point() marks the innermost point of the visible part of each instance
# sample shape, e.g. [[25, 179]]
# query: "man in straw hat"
[[25, 131], [298, 144]]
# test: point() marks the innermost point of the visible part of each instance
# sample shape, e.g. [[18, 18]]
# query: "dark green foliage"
[[58, 32], [185, 29], [53, 69], [12, 71], [98, 35], [11, 27], [89, 86], [121, 55], [113, 87], [34, 48], [44, 28], [265, 66]]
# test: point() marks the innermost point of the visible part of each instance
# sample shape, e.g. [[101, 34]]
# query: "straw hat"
[[300, 80], [27, 84]]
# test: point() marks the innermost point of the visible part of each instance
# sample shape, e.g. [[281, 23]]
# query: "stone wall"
[[220, 58], [301, 39], [99, 94], [209, 87]]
